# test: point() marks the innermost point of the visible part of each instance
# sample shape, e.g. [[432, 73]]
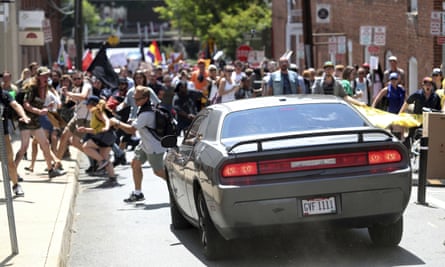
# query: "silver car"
[[269, 162]]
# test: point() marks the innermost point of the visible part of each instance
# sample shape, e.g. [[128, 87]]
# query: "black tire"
[[388, 235], [213, 243], [178, 220]]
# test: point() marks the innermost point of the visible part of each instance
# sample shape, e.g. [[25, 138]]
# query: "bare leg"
[[11, 164], [25, 135], [39, 134], [63, 143], [136, 166], [34, 151]]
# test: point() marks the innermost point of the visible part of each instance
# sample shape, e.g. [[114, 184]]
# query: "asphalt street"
[[108, 232]]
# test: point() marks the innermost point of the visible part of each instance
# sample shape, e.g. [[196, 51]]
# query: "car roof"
[[270, 101]]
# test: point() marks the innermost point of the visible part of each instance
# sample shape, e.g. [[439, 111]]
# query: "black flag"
[[102, 69]]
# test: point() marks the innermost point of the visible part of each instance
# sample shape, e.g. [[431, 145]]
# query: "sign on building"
[[323, 13], [332, 45], [30, 28], [370, 35], [365, 35], [380, 35]]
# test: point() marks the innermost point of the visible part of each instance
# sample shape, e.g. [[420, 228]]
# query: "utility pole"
[[78, 33], [307, 33]]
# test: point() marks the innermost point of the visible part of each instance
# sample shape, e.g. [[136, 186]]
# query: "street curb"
[[59, 248]]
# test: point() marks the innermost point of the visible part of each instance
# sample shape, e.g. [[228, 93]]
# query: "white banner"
[[31, 19]]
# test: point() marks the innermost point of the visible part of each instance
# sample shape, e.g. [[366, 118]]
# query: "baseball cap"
[[391, 58], [437, 71], [427, 79], [394, 76], [366, 65], [43, 71], [212, 67], [328, 64], [92, 100]]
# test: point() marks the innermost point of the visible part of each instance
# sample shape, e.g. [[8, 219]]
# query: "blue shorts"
[[46, 123]]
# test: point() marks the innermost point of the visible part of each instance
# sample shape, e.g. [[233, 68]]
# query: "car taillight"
[[384, 156], [311, 163], [240, 169]]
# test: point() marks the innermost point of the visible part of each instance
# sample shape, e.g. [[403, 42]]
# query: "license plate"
[[316, 206]]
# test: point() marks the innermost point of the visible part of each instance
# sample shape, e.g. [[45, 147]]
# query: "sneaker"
[[134, 197], [90, 169], [54, 173], [102, 165], [112, 181], [19, 178], [18, 191]]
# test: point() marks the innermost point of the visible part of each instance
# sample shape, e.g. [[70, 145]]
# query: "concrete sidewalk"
[[43, 216]]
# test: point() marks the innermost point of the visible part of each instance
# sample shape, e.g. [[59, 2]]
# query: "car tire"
[[178, 220], [387, 235], [212, 242]]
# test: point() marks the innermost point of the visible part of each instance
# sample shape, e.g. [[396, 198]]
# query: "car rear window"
[[281, 119]]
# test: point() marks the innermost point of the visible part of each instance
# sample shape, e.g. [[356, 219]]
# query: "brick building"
[[407, 36]]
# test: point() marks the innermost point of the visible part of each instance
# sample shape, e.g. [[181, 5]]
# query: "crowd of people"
[[57, 109]]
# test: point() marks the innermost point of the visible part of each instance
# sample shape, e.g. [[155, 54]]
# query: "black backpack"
[[165, 123]]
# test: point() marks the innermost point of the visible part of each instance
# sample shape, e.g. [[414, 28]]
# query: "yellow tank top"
[[95, 123]]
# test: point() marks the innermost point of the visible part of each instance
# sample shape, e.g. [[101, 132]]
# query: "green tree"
[[225, 21], [90, 16]]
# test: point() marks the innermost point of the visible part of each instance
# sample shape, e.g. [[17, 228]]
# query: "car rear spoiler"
[[360, 131]]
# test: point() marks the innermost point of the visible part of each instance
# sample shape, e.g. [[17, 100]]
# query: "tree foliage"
[[225, 21], [90, 16]]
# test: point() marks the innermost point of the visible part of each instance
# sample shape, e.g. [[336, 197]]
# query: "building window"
[[412, 8]]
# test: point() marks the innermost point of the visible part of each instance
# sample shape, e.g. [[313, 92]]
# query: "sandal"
[[30, 169]]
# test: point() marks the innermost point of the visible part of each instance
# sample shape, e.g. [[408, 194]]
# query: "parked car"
[[268, 162]]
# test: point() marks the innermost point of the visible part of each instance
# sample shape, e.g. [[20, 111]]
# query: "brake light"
[[244, 169], [384, 156], [240, 169]]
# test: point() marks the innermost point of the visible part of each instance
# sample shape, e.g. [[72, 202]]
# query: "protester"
[[284, 81], [9, 103], [98, 146], [149, 148], [37, 90]]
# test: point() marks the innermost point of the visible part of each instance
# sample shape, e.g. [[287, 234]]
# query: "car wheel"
[[211, 240], [178, 220], [387, 235]]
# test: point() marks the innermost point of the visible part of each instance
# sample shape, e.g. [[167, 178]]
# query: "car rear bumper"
[[359, 202]]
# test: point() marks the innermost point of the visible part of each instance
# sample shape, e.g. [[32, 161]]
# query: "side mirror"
[[169, 141]]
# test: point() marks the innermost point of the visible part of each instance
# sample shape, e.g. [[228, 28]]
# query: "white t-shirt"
[[82, 111], [50, 97], [230, 96], [149, 143]]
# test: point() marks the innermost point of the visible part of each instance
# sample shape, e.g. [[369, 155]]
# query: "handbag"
[[107, 138]]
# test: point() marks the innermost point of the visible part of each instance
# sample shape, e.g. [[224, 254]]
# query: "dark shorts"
[[46, 123]]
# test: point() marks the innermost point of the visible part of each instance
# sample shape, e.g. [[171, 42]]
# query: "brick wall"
[[407, 35]]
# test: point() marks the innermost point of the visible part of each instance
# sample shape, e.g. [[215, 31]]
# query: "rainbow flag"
[[154, 53]]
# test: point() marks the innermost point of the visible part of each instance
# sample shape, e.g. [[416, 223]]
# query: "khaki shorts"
[[74, 123], [156, 160]]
